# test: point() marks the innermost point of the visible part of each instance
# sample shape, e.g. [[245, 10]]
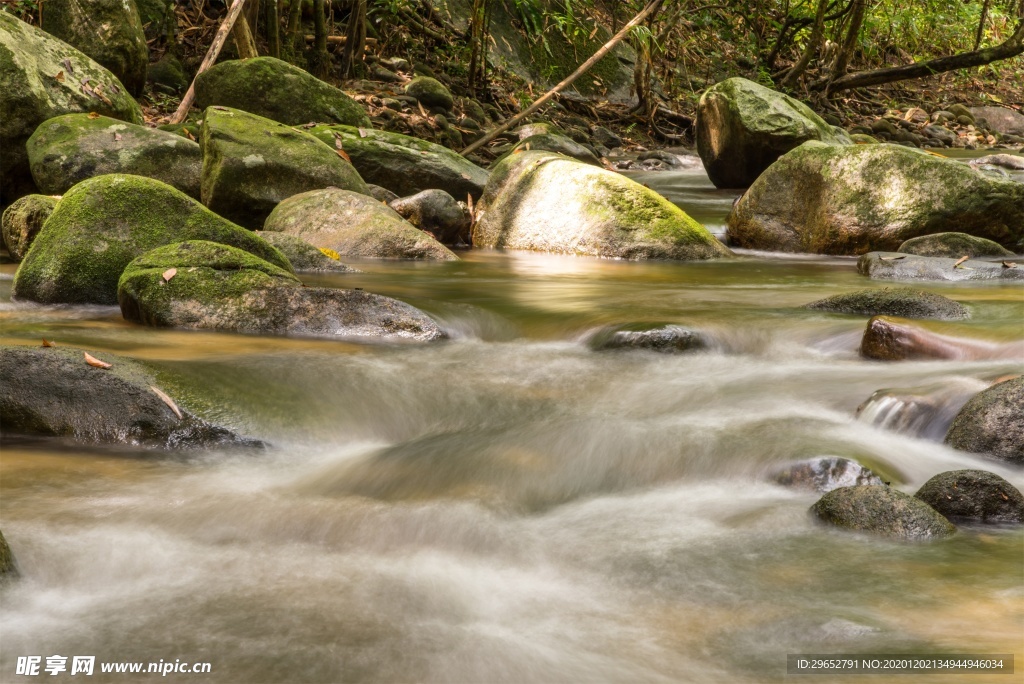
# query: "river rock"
[[23, 220], [992, 423], [109, 31], [975, 496], [168, 75], [881, 510], [403, 164], [667, 339], [953, 246], [217, 287], [898, 301], [1000, 119], [858, 198], [742, 128], [354, 225], [31, 93], [274, 89], [430, 92], [304, 256], [103, 223], [560, 144], [1006, 161], [68, 149], [897, 266], [381, 194], [53, 391], [925, 412], [888, 339], [436, 212], [546, 202], [251, 163], [8, 566], [824, 474]]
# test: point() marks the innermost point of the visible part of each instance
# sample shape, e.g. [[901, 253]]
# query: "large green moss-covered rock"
[[546, 202], [742, 128], [68, 149], [277, 90], [354, 225], [217, 287], [251, 163], [109, 31], [552, 142], [952, 246], [103, 223], [881, 510], [405, 165], [834, 199], [992, 423], [23, 220], [430, 92], [41, 77]]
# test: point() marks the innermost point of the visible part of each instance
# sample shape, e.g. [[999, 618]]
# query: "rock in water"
[[36, 84], [742, 128], [103, 223], [667, 339], [430, 92], [8, 566], [436, 212], [354, 225], [860, 198], [896, 266], [883, 511], [53, 391], [925, 412], [276, 90], [992, 423], [251, 163], [23, 220], [825, 474], [405, 165], [549, 203], [976, 496], [952, 246], [68, 149], [900, 301], [890, 339], [217, 287], [304, 256]]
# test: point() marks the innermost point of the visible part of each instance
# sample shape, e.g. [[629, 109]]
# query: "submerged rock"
[[992, 423], [436, 212], [953, 245], [742, 128], [881, 510], [304, 256], [23, 220], [976, 496], [250, 164], [103, 223], [546, 202], [216, 287], [896, 266], [54, 391], [901, 301], [8, 566], [824, 474], [888, 339], [668, 339]]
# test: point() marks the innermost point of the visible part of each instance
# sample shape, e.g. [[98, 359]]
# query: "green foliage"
[[26, 10]]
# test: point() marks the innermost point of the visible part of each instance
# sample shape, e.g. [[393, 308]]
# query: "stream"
[[510, 505]]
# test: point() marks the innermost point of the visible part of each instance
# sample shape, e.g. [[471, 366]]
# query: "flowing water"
[[512, 506]]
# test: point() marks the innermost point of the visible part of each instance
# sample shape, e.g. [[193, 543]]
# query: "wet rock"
[[217, 287], [53, 391], [973, 496], [742, 128], [381, 194], [925, 412], [436, 212], [897, 266], [556, 143], [899, 301], [8, 566], [669, 160], [403, 164], [668, 339], [430, 92], [953, 246], [992, 423], [943, 135], [856, 199], [167, 75], [602, 136], [546, 202], [958, 110], [250, 164], [1006, 161], [882, 511], [887, 339], [23, 220], [103, 223], [354, 225], [1000, 119], [68, 149], [825, 474], [304, 256], [276, 90]]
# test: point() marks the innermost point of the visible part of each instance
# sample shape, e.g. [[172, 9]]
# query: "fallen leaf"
[[47, 343], [330, 253], [344, 155], [310, 125], [466, 176], [60, 76], [593, 33], [169, 273], [117, 137], [960, 261], [363, 133], [67, 66], [96, 363], [423, 112], [167, 400], [189, 135], [93, 115], [1009, 264], [337, 140]]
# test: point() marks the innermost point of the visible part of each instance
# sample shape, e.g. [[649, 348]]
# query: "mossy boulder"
[[550, 142], [436, 212], [547, 202], [103, 223], [899, 266], [953, 246], [70, 148], [883, 511], [277, 90], [665, 339], [354, 225], [835, 199], [304, 256], [8, 566], [216, 287], [992, 423], [974, 496], [825, 473], [403, 164], [41, 77], [168, 75], [251, 163], [743, 127], [54, 391], [109, 31], [23, 220], [430, 92], [905, 302]]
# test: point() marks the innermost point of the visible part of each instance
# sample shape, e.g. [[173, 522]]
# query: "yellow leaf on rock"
[[96, 363], [330, 253], [167, 400], [93, 115], [170, 273]]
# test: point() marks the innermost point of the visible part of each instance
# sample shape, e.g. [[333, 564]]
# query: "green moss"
[[23, 220]]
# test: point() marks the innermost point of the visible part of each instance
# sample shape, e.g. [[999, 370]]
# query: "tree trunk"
[[245, 44], [293, 36], [355, 39], [273, 28], [319, 61], [842, 60], [981, 25], [812, 47]]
